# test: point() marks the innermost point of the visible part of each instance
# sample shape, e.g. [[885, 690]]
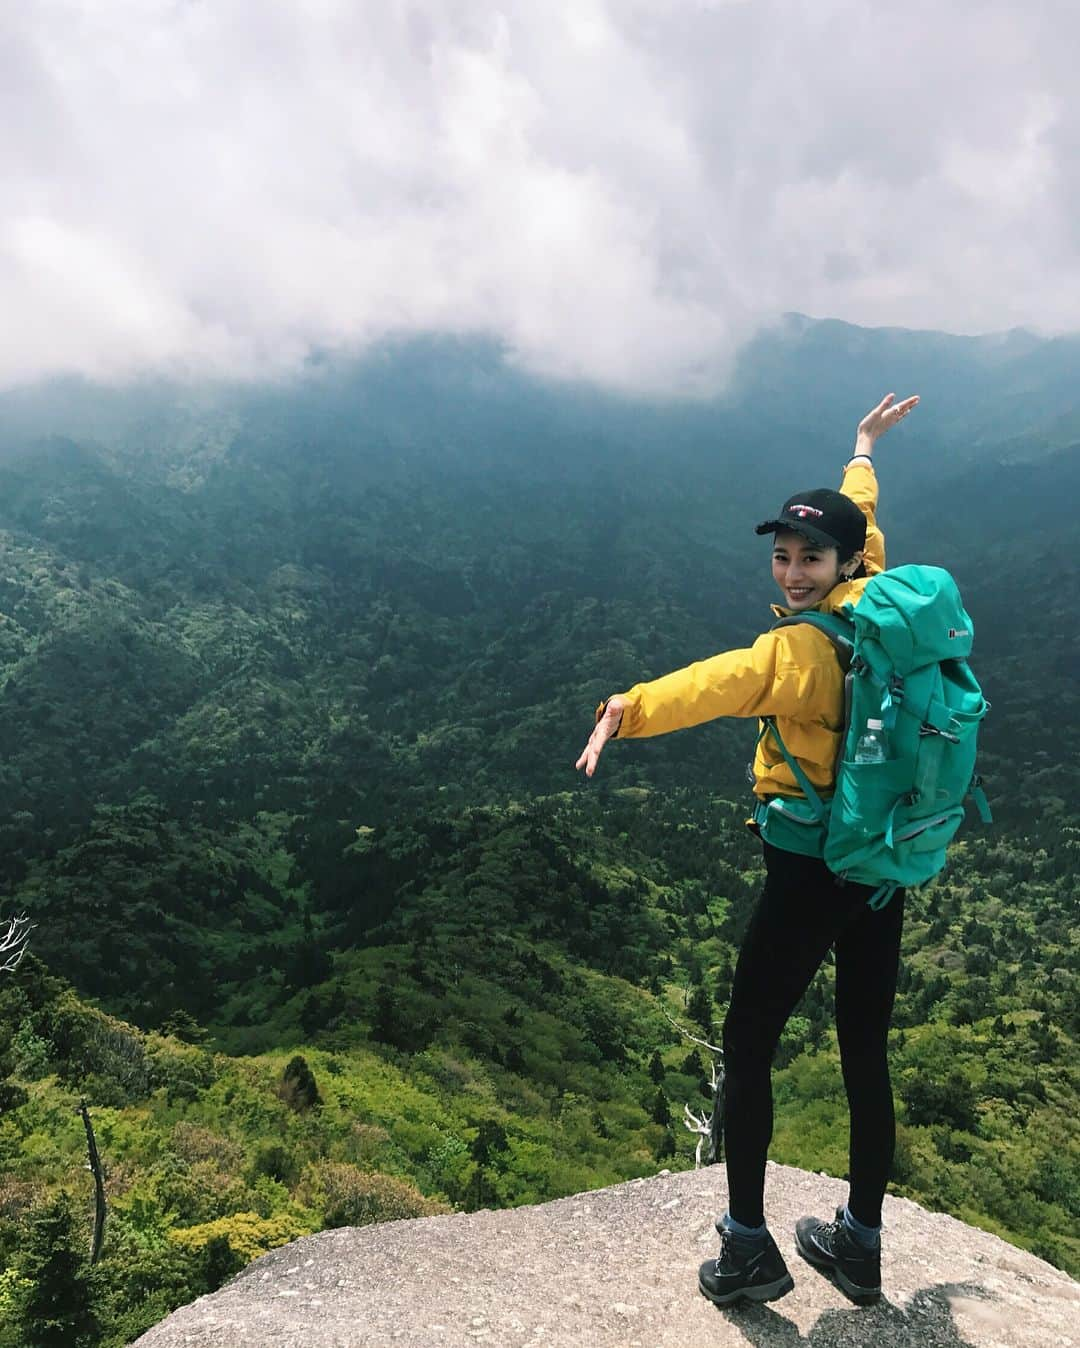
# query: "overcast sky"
[[621, 190]]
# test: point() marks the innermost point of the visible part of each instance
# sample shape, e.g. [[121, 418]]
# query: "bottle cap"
[[873, 725]]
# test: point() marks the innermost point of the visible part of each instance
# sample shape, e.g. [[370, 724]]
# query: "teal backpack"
[[904, 650]]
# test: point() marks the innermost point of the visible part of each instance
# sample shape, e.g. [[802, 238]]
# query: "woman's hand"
[[880, 419], [606, 726]]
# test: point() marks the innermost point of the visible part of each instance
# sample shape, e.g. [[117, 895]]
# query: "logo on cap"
[[803, 510]]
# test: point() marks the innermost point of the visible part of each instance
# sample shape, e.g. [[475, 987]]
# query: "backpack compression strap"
[[805, 785]]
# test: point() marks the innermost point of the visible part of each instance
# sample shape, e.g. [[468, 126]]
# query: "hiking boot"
[[831, 1246], [751, 1269]]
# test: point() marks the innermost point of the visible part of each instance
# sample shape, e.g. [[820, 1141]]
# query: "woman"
[[825, 546]]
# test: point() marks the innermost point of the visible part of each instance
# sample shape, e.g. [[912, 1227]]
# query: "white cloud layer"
[[621, 190]]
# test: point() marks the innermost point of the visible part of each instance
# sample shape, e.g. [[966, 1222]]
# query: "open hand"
[[884, 416], [606, 726]]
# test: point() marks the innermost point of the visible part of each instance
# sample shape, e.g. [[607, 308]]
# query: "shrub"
[[353, 1197], [278, 1162], [950, 1102], [182, 1069], [193, 1143], [87, 1044], [16, 1197], [248, 1235], [366, 1141], [30, 1053]]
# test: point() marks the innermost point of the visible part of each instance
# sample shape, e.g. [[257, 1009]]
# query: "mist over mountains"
[[440, 549]]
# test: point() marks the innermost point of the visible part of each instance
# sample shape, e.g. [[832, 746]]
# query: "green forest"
[[327, 931]]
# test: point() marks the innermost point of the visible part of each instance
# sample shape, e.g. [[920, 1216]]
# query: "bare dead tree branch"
[[14, 935], [713, 1048], [708, 1127], [99, 1184], [701, 1124]]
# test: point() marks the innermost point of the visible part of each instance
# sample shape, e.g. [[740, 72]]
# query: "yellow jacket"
[[791, 673]]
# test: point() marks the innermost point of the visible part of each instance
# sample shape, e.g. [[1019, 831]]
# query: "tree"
[[699, 1008], [59, 1310], [656, 1068], [298, 1087], [1043, 1039], [490, 1140], [220, 1262], [949, 1102], [182, 1025], [661, 1112]]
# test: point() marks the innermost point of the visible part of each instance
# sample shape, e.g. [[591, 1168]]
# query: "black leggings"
[[803, 910]]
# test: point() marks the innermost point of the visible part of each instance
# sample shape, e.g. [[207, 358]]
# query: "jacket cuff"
[[601, 708]]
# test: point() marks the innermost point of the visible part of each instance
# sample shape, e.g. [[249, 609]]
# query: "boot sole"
[[769, 1291], [862, 1296]]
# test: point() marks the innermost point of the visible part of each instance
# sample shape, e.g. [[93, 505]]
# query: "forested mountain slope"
[[291, 685]]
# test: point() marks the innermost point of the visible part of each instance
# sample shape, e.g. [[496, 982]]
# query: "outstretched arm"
[[775, 676]]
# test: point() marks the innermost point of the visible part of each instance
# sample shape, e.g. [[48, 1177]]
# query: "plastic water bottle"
[[871, 745]]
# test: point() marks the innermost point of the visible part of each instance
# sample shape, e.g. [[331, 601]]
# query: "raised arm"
[[860, 482], [879, 420]]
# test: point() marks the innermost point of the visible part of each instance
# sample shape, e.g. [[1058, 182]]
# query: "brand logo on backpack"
[[959, 632]]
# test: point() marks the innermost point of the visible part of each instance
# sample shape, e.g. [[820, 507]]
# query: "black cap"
[[826, 517]]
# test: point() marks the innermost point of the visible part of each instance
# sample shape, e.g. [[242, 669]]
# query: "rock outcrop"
[[619, 1267]]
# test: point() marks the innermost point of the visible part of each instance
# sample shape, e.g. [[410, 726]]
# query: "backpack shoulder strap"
[[839, 630]]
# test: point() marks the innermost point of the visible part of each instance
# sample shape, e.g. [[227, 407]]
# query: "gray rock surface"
[[619, 1267]]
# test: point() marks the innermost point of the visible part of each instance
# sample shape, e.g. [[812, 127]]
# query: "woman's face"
[[804, 571]]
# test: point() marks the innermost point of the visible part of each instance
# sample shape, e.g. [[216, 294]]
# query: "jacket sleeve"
[[765, 679], [861, 485]]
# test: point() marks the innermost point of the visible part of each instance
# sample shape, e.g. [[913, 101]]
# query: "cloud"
[[620, 190]]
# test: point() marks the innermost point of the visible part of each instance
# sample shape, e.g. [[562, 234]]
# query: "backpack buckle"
[[927, 729]]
